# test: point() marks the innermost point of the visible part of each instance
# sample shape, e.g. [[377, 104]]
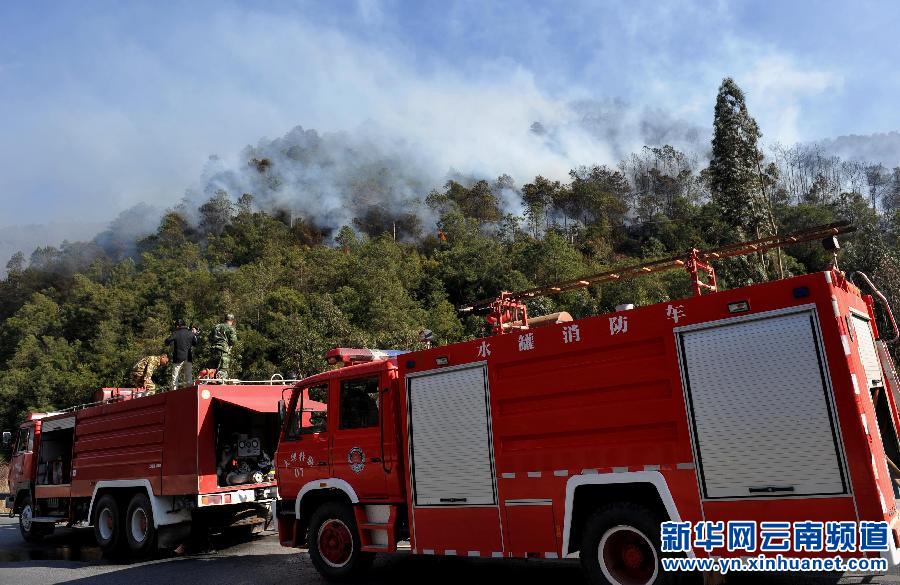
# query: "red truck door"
[[357, 443], [305, 455], [22, 464]]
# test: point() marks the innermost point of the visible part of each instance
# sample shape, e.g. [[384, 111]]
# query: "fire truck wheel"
[[31, 531], [620, 546], [108, 525], [140, 531], [334, 544]]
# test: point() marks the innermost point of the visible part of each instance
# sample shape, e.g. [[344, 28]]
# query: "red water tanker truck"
[[145, 470], [557, 438]]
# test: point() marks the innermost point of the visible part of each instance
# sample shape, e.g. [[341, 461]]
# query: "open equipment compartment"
[[245, 441], [878, 388], [55, 456]]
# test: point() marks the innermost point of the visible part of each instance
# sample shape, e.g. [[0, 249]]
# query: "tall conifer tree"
[[734, 170]]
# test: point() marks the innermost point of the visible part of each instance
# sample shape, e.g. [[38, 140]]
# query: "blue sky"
[[106, 104]]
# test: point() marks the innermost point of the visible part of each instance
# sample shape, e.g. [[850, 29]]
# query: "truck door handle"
[[376, 459], [322, 463], [770, 489]]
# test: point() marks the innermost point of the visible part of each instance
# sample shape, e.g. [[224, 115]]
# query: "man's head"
[[163, 359], [179, 323], [229, 318]]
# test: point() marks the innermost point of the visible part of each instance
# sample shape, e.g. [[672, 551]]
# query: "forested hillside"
[[393, 256]]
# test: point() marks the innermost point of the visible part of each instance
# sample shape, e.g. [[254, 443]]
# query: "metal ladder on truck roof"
[[508, 312]]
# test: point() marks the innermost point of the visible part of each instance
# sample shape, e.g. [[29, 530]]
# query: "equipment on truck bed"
[[243, 461], [508, 312], [563, 438]]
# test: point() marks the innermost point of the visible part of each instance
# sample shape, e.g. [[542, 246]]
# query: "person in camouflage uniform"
[[142, 372], [224, 337]]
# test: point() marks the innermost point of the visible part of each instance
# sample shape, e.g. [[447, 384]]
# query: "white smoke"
[[120, 118], [881, 148], [140, 131], [333, 177]]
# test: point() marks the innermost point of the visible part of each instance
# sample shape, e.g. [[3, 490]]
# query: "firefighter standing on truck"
[[142, 372], [223, 338], [182, 341]]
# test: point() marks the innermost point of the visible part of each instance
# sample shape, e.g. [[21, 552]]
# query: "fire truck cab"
[[774, 402], [339, 459]]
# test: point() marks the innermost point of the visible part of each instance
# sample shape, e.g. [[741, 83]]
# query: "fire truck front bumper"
[[260, 495]]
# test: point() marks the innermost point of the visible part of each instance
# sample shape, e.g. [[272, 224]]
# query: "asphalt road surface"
[[69, 556]]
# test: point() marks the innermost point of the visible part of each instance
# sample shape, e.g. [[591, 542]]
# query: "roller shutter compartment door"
[[868, 354], [450, 439], [762, 417]]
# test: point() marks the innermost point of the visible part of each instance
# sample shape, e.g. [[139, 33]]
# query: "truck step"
[[47, 519], [376, 534]]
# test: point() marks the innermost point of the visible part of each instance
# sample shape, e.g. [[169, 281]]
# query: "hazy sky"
[[106, 104]]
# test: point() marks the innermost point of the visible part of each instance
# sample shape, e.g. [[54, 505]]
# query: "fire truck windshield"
[[310, 414]]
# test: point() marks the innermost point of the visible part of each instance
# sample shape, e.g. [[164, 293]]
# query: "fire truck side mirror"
[[282, 411], [7, 439]]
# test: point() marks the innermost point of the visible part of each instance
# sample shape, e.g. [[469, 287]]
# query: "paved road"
[[70, 557]]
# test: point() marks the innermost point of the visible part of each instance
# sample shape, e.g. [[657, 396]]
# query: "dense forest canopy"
[[313, 248]]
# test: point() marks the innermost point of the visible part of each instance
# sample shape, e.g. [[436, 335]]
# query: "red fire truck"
[[561, 439], [141, 469]]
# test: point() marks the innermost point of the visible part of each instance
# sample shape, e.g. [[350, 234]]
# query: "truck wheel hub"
[[105, 524], [26, 517], [632, 556], [627, 557], [139, 525], [335, 543]]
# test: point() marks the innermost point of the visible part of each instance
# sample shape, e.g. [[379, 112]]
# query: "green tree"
[[733, 169], [736, 179], [538, 197], [216, 214], [477, 202], [16, 266]]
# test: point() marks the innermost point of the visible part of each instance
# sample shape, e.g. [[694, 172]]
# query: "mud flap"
[[287, 524]]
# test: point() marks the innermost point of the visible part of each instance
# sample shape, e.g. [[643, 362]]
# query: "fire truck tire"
[[140, 532], [31, 532], [108, 525], [620, 546], [334, 544]]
